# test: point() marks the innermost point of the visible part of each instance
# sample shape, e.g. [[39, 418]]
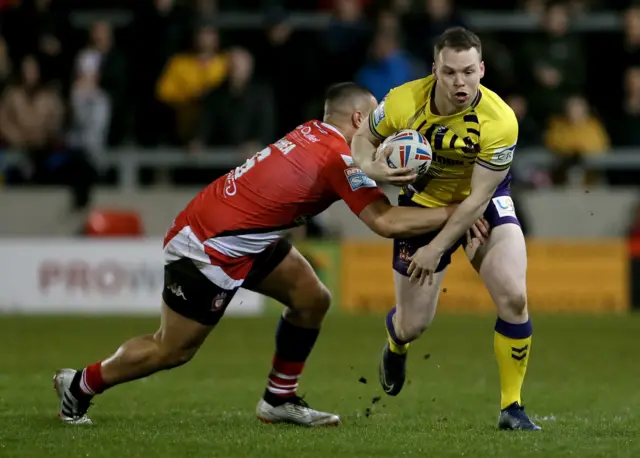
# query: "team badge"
[[218, 302]]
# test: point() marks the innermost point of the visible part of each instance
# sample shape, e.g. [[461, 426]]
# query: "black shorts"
[[190, 294]]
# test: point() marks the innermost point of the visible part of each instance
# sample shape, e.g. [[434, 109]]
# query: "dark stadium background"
[[91, 180]]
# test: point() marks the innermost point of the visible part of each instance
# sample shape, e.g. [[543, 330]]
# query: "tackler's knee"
[[317, 300], [310, 304]]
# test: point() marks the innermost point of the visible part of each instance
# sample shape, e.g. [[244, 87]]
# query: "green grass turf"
[[583, 387]]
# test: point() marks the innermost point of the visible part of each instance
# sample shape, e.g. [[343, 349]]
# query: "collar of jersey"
[[330, 127]]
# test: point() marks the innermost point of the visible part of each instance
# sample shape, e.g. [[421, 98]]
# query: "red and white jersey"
[[239, 215]]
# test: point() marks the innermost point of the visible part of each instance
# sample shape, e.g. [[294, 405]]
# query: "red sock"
[[91, 381], [283, 379]]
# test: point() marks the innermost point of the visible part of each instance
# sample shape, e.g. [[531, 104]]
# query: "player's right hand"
[[380, 171]]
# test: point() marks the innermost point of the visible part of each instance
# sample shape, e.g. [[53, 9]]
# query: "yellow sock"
[[512, 356], [395, 348]]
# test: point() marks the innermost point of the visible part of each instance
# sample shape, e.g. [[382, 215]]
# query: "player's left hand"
[[424, 264]]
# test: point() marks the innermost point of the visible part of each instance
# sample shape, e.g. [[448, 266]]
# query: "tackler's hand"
[[380, 171], [424, 264], [477, 235]]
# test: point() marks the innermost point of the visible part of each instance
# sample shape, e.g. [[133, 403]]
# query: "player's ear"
[[481, 68], [433, 70], [356, 118]]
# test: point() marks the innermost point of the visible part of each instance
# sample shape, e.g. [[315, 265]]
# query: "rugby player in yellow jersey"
[[473, 134]]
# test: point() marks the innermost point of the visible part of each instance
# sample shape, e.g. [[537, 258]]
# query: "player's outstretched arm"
[[389, 221], [483, 185]]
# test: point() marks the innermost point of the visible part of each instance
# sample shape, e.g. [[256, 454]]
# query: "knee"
[[318, 302], [514, 303], [308, 306]]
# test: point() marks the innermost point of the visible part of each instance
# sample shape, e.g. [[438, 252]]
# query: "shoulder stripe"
[[490, 166], [372, 128]]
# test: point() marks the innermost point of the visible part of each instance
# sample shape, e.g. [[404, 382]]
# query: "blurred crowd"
[[171, 75]]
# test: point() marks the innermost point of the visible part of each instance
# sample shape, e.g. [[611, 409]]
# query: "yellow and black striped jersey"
[[485, 133]]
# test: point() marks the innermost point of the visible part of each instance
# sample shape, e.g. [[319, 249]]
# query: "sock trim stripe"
[[514, 331], [83, 384], [282, 376], [283, 387], [279, 391], [391, 330]]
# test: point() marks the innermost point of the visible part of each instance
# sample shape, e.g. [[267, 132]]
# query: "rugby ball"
[[410, 149]]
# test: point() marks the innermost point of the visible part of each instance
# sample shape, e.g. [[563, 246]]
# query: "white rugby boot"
[[72, 410], [295, 411]]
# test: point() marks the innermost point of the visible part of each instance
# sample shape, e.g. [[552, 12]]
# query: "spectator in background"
[[31, 117], [556, 61], [157, 33], [206, 9], [240, 113], [90, 112], [189, 76], [631, 43], [39, 28], [345, 41], [425, 25], [5, 65], [388, 67], [573, 135], [529, 133], [112, 68], [533, 7], [627, 127], [279, 45]]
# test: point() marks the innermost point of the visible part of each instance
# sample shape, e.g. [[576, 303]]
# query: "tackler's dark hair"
[[342, 91]]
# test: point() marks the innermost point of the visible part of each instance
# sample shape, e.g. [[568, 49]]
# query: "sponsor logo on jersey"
[[348, 160], [378, 114], [284, 145], [357, 179], [503, 156], [504, 206]]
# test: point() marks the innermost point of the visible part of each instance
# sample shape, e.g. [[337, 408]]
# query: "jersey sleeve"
[[498, 142], [350, 183], [392, 114]]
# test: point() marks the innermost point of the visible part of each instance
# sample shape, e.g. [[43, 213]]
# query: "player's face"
[[459, 73]]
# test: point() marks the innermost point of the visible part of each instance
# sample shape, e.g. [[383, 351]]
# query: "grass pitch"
[[583, 387]]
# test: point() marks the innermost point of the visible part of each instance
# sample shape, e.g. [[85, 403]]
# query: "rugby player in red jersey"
[[232, 234]]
